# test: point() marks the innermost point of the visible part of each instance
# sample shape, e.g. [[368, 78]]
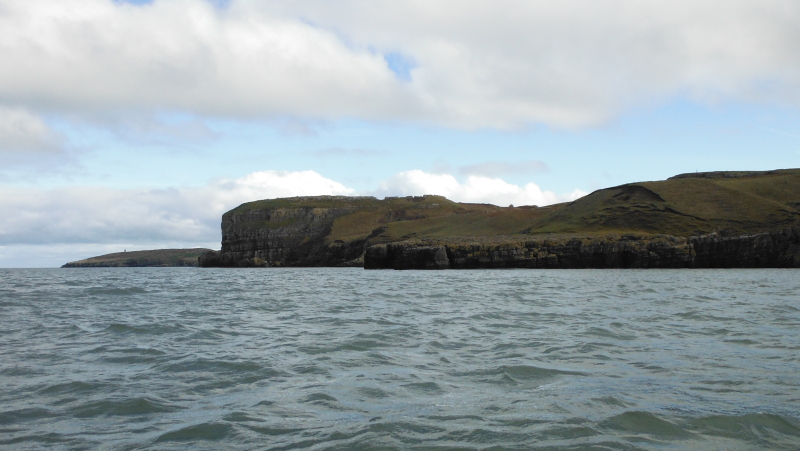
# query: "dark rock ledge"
[[777, 249]]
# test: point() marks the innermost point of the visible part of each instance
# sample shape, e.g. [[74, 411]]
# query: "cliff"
[[777, 249], [716, 219], [309, 231], [159, 257]]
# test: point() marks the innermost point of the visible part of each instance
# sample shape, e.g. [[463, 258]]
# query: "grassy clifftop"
[[686, 205], [689, 204]]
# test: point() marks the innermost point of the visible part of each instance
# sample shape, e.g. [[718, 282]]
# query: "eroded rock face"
[[431, 232], [779, 249], [297, 231], [399, 256], [283, 237]]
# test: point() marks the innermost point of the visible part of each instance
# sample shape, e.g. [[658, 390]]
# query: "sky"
[[128, 125]]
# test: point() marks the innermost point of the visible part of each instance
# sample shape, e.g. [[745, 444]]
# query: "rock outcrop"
[[778, 249], [700, 220], [289, 235]]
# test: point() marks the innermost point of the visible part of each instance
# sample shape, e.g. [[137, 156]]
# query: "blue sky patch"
[[400, 64]]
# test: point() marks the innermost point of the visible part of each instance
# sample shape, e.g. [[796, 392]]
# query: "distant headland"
[[159, 257], [696, 220]]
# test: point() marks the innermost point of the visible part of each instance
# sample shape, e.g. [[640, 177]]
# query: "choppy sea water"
[[177, 358]]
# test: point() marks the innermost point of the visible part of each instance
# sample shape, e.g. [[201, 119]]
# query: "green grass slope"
[[336, 228], [159, 257], [684, 205], [728, 203]]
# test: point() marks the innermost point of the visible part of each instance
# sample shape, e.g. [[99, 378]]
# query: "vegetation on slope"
[[682, 206], [727, 203], [159, 257]]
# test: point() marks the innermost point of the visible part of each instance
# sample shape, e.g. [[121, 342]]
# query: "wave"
[[115, 291], [200, 432], [755, 428], [72, 387], [759, 430], [428, 388], [216, 366], [645, 423], [15, 416], [521, 373], [49, 439], [122, 407], [143, 329]]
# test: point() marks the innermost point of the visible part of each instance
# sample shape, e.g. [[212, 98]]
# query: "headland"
[[695, 220], [158, 257]]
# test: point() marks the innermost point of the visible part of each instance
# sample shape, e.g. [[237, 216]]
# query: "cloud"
[[51, 227], [575, 63], [476, 189], [227, 194], [90, 215], [101, 216], [27, 141], [502, 64], [497, 168], [23, 132], [184, 55]]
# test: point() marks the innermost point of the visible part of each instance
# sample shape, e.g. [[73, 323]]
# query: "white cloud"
[[576, 62], [21, 131], [476, 189], [227, 194], [92, 215], [50, 227], [183, 55], [500, 64], [102, 215]]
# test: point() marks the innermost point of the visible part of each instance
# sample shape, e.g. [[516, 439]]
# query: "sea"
[[351, 359]]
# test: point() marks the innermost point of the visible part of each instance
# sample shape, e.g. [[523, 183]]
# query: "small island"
[[158, 257], [697, 220]]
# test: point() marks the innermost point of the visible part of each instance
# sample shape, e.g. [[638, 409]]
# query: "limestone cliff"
[[715, 219], [292, 233], [778, 249]]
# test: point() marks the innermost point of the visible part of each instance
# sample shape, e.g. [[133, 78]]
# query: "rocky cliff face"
[[287, 236], [778, 249], [700, 220]]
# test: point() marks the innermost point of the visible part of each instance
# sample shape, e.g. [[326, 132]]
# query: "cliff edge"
[[713, 219]]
